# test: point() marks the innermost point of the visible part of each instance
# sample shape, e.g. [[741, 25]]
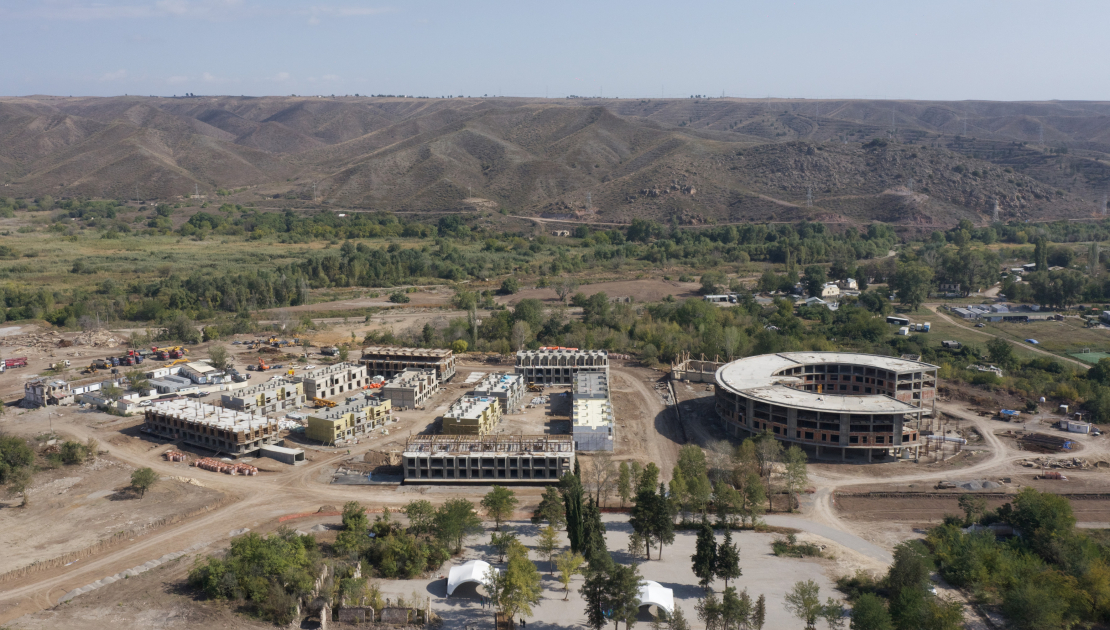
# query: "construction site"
[[208, 426], [487, 459]]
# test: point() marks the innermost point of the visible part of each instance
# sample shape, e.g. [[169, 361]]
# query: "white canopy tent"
[[654, 593], [474, 571]]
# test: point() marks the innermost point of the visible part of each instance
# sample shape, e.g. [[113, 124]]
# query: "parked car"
[[980, 325], [236, 343], [145, 403], [198, 394]]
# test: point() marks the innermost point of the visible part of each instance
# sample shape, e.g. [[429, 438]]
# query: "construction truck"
[[532, 387], [323, 402], [59, 365]]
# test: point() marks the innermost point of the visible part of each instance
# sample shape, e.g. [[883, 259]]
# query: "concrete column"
[[791, 423], [845, 426]]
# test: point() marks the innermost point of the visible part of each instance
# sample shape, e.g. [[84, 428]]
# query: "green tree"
[[143, 479], [551, 509], [510, 285], [728, 501], [546, 545], [624, 474], [728, 559], [972, 506], [573, 495], [752, 498], [569, 564], [354, 517], [804, 602], [499, 504], [421, 514], [502, 541], [678, 620], [623, 594], [649, 478], [736, 608], [651, 519], [815, 279], [911, 567], [459, 346], [1044, 519], [218, 356], [795, 476], [1001, 352], [705, 555], [455, 521], [869, 613], [73, 453], [1040, 253], [344, 353], [709, 610], [912, 282], [759, 614], [595, 593]]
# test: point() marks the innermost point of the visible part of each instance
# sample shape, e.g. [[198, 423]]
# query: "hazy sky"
[[925, 49]]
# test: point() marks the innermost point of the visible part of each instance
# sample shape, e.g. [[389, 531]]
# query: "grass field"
[[1059, 337], [1091, 357]]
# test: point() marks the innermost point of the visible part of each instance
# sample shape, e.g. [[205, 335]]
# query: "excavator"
[[262, 367], [178, 362], [532, 387], [323, 402]]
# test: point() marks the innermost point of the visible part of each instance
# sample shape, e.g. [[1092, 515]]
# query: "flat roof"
[[211, 415], [426, 353], [282, 449], [592, 412], [755, 377], [498, 383], [468, 408]]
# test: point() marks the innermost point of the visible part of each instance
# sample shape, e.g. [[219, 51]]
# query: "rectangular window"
[[855, 388], [809, 435], [879, 439], [824, 437], [853, 439]]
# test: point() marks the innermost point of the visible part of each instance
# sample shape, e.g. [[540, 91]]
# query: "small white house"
[[830, 290]]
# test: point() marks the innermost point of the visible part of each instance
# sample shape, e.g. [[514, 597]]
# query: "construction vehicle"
[[59, 365], [170, 352], [323, 402], [178, 362], [532, 387], [330, 352], [17, 362], [91, 369], [262, 367]]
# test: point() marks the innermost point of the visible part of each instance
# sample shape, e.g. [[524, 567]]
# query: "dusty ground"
[[74, 507], [155, 599]]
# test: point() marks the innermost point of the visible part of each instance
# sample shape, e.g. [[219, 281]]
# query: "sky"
[[925, 49]]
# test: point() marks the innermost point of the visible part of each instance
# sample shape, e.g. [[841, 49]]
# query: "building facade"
[[333, 380], [497, 459], [225, 431], [472, 415], [834, 402], [274, 395], [357, 417], [508, 389], [389, 361], [411, 388], [557, 366]]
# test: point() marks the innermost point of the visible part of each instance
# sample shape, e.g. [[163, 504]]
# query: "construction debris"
[[215, 465], [1071, 463], [175, 456]]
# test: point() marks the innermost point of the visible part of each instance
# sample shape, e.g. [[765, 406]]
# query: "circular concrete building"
[[833, 402]]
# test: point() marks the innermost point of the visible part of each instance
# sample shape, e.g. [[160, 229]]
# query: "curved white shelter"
[[474, 571], [655, 594], [829, 400]]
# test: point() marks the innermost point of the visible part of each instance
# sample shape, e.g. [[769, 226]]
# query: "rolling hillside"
[[689, 160]]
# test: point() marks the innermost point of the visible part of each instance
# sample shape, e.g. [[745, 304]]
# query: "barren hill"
[[689, 160]]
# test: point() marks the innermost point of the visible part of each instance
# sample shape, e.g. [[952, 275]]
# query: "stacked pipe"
[[176, 456], [215, 465]]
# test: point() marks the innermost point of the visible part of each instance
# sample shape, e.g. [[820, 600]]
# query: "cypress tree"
[[572, 499], [705, 554], [728, 559]]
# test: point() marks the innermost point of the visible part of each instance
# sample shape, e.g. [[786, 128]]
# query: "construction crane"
[[323, 402]]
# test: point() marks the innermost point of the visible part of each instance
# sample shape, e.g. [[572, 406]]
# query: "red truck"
[[15, 363]]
